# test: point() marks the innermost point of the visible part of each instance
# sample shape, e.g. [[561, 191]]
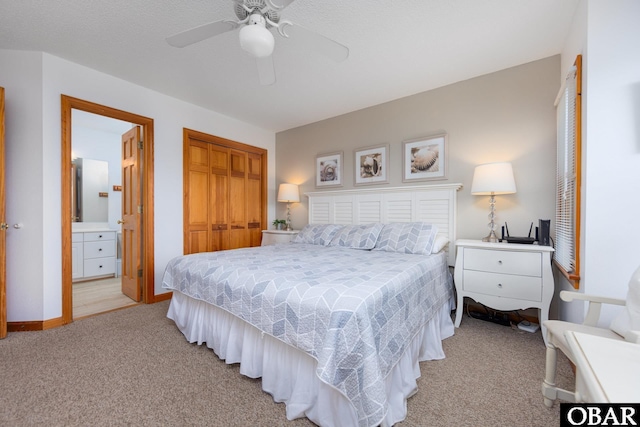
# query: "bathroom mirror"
[[90, 190]]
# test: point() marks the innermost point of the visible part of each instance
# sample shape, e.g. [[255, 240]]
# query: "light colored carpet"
[[133, 367]]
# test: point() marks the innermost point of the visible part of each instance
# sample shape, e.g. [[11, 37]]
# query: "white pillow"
[[439, 243], [629, 319]]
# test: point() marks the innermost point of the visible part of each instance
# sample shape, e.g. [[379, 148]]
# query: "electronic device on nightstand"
[[544, 235], [514, 239]]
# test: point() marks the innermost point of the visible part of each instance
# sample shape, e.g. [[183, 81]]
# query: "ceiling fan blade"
[[194, 35], [317, 42], [266, 71], [278, 4]]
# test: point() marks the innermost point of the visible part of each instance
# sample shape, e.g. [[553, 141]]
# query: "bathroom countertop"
[[80, 227]]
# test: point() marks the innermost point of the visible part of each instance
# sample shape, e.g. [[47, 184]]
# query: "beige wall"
[[504, 116]]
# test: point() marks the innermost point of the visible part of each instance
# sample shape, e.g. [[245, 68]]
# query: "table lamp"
[[288, 193], [492, 179]]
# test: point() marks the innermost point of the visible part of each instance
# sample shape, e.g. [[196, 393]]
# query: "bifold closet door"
[[219, 202], [239, 233], [196, 197], [224, 196], [254, 197]]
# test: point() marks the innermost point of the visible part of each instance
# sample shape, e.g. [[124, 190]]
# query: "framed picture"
[[425, 158], [329, 169], [372, 165]]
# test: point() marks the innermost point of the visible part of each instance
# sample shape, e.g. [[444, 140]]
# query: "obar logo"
[[592, 414]]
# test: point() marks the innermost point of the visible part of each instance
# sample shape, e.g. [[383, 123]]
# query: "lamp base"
[[491, 238]]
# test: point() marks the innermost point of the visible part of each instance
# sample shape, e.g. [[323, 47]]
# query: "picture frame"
[[329, 169], [371, 165], [425, 159]]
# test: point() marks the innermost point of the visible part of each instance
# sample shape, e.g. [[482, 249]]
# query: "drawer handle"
[[100, 250], [500, 285], [500, 262], [100, 236], [100, 266]]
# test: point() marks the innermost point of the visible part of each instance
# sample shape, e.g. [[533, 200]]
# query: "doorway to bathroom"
[[96, 211], [107, 158]]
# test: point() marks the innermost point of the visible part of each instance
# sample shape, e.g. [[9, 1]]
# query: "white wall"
[[21, 76], [607, 34], [34, 83], [574, 46]]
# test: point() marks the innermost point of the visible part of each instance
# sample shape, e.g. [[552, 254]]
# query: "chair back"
[[629, 319]]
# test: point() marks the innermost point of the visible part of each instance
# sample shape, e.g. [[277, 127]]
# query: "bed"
[[336, 322]]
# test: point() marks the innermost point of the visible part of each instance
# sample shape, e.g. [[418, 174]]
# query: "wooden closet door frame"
[[190, 134]]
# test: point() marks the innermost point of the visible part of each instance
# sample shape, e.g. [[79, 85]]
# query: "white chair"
[[626, 326]]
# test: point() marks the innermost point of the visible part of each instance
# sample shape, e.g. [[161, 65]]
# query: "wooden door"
[[238, 235], [254, 198], [3, 228], [196, 197], [224, 193], [206, 196], [131, 214], [219, 193]]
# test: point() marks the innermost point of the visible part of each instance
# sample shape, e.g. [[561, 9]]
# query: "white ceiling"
[[397, 48]]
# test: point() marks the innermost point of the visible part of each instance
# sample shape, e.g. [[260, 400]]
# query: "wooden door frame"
[[148, 280], [3, 233]]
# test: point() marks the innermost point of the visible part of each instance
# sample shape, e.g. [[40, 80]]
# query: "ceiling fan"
[[255, 19]]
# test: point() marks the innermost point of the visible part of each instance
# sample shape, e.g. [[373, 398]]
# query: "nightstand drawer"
[[503, 262], [503, 285]]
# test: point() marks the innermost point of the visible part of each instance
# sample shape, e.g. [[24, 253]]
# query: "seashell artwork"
[[329, 171], [425, 159], [371, 165]]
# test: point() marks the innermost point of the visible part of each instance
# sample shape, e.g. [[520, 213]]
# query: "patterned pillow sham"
[[317, 234], [357, 236], [407, 237]]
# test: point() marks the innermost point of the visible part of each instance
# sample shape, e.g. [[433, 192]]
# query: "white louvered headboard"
[[429, 203]]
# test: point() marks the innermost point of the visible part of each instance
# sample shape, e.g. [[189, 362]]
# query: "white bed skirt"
[[289, 374]]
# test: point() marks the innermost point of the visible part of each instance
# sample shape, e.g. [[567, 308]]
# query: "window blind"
[[568, 175]]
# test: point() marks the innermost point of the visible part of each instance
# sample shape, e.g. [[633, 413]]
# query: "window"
[[567, 231]]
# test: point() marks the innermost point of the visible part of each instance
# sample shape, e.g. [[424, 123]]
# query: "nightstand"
[[271, 237], [504, 276]]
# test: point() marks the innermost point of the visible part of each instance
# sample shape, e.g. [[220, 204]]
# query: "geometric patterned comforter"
[[353, 311]]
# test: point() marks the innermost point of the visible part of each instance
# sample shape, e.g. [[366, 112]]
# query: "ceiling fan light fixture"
[[255, 39]]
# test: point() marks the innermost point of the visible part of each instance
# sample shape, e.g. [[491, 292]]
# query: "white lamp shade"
[[257, 40], [288, 193], [493, 178]]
